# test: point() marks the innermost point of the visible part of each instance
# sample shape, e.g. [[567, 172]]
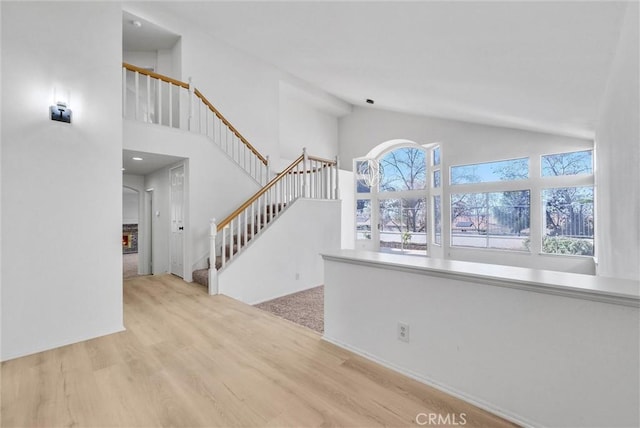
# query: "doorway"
[[130, 232], [177, 221]]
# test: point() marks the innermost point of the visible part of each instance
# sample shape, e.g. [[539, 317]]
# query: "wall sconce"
[[60, 111]]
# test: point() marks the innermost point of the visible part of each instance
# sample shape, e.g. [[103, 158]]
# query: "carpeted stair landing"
[[305, 308]]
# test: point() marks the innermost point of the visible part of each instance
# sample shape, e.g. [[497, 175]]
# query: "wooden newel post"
[[213, 272]]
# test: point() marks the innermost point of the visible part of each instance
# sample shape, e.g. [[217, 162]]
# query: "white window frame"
[[375, 195]]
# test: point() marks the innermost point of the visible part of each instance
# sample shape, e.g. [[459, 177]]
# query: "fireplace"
[[129, 238]]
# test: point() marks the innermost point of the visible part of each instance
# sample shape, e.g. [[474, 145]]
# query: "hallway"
[[129, 265]]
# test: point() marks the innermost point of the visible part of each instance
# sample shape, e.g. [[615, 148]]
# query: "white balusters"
[[159, 102], [336, 190], [308, 177], [253, 219], [124, 92], [305, 165], [152, 103], [170, 105], [213, 272], [190, 107], [223, 246], [137, 90], [148, 115]]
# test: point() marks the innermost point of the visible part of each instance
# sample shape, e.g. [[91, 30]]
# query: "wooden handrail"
[[260, 192], [155, 75], [229, 125], [329, 161]]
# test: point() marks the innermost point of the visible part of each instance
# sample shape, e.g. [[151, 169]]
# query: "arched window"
[[392, 196]]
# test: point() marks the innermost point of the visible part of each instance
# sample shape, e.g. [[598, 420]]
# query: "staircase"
[[201, 276], [154, 98], [306, 177]]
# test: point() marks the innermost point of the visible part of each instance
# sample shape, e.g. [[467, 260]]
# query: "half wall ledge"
[[597, 288]]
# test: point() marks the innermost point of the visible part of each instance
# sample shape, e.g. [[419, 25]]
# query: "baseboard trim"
[[498, 411], [24, 353]]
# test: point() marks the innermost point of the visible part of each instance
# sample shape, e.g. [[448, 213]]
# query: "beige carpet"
[[129, 265], [305, 308]]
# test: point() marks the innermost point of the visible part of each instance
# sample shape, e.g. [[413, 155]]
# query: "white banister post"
[[190, 117], [213, 272], [136, 76], [124, 92], [305, 174], [337, 188], [268, 169]]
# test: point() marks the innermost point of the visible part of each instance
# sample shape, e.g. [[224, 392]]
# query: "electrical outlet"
[[403, 331]]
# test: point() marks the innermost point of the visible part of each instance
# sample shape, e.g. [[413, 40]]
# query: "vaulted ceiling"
[[530, 65]]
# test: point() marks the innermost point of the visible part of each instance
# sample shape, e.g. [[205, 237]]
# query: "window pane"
[[436, 178], [567, 164], [363, 219], [403, 226], [362, 186], [508, 170], [491, 220], [568, 221], [362, 167], [403, 169], [437, 220], [436, 156]]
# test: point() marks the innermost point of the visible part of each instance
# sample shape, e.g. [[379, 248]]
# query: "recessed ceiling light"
[[136, 23], [123, 169], [136, 158]]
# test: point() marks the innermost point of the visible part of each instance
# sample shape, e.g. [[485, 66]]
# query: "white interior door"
[[177, 221]]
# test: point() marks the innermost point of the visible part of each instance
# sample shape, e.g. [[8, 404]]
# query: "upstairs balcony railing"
[[154, 98]]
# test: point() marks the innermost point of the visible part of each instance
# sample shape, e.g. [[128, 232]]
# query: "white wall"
[[540, 359], [163, 61], [133, 203], [617, 160], [290, 246], [1, 196], [308, 118], [465, 143], [216, 186], [130, 206], [62, 273], [143, 59], [347, 209]]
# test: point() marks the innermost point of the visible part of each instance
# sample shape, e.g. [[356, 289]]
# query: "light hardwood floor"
[[188, 359]]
